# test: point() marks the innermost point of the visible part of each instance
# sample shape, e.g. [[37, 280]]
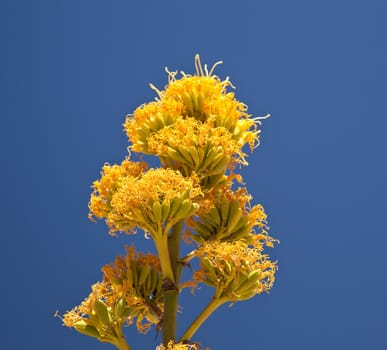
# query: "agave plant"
[[200, 132]]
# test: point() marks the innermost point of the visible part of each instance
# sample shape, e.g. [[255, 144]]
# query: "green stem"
[[174, 249], [120, 341], [122, 344], [171, 293], [170, 309], [161, 242], [207, 311]]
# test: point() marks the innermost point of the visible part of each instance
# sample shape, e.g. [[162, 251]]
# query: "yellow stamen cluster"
[[148, 119], [194, 125], [191, 132], [112, 177], [237, 271], [101, 315], [227, 216], [131, 289], [81, 312], [126, 198], [205, 98], [137, 278]]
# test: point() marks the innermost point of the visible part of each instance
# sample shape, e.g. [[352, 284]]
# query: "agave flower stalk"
[[200, 133]]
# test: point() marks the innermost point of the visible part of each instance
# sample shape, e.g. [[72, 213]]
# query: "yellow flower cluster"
[[237, 271], [100, 315], [128, 196], [131, 289], [195, 125], [229, 217], [80, 313], [112, 178], [137, 277]]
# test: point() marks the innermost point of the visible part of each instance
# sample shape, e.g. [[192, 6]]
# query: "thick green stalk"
[[171, 297], [207, 311], [171, 290]]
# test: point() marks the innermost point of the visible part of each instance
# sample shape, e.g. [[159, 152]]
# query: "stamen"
[[198, 66], [214, 66], [58, 315], [160, 93], [258, 119], [227, 81], [206, 70], [171, 75]]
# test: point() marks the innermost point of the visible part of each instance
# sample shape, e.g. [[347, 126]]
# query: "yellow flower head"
[[226, 215], [193, 120], [82, 311], [137, 278], [97, 315], [145, 199], [237, 271], [111, 180], [148, 119], [124, 272], [131, 289]]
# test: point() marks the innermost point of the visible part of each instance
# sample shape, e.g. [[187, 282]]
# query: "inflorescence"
[[200, 133]]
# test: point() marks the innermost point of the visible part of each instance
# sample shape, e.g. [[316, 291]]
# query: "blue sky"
[[74, 69]]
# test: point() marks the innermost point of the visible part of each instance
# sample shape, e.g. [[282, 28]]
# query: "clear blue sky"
[[74, 69]]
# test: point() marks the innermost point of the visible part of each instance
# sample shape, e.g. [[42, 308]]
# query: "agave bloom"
[[195, 124], [237, 271], [200, 132], [128, 196]]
